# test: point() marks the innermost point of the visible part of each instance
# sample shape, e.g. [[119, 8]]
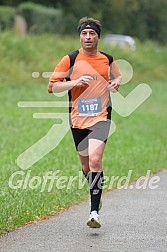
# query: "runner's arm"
[[59, 86], [56, 83], [116, 79]]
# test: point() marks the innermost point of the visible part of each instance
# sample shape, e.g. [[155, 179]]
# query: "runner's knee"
[[95, 163]]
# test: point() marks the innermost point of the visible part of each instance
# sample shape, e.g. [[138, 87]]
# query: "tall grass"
[[139, 142], [24, 54]]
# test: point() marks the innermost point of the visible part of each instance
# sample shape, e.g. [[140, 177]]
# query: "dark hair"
[[88, 20]]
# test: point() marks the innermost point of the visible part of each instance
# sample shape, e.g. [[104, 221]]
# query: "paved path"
[[132, 220]]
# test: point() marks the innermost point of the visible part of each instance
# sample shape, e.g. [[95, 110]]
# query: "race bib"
[[89, 106]]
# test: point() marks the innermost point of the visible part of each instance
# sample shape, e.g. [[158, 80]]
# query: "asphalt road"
[[132, 220]]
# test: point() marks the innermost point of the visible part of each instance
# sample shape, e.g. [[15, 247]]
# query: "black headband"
[[90, 26]]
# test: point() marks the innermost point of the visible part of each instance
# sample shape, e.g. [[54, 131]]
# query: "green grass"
[[138, 144]]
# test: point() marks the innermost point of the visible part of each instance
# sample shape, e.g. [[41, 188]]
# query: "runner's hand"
[[113, 85], [83, 81]]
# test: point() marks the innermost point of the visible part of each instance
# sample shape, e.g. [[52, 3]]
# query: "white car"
[[123, 41]]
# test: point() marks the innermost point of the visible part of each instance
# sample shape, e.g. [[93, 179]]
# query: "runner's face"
[[89, 39]]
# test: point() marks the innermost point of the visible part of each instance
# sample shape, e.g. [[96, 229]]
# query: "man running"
[[90, 76]]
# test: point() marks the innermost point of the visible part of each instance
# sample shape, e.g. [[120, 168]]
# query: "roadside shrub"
[[7, 17], [41, 19]]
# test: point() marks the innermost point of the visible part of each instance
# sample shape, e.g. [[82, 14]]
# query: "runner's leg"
[[96, 150]]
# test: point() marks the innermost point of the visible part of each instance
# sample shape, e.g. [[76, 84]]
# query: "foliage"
[[41, 19], [144, 19], [7, 17]]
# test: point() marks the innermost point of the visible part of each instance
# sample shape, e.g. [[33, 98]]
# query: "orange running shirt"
[[89, 104]]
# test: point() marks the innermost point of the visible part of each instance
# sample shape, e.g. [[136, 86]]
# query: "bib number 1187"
[[89, 106]]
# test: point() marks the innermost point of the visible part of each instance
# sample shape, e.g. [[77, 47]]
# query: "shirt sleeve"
[[114, 71], [61, 70]]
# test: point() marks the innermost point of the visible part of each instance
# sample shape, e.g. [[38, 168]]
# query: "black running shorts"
[[98, 131]]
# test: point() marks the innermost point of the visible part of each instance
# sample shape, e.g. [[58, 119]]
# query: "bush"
[[41, 19], [7, 17]]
